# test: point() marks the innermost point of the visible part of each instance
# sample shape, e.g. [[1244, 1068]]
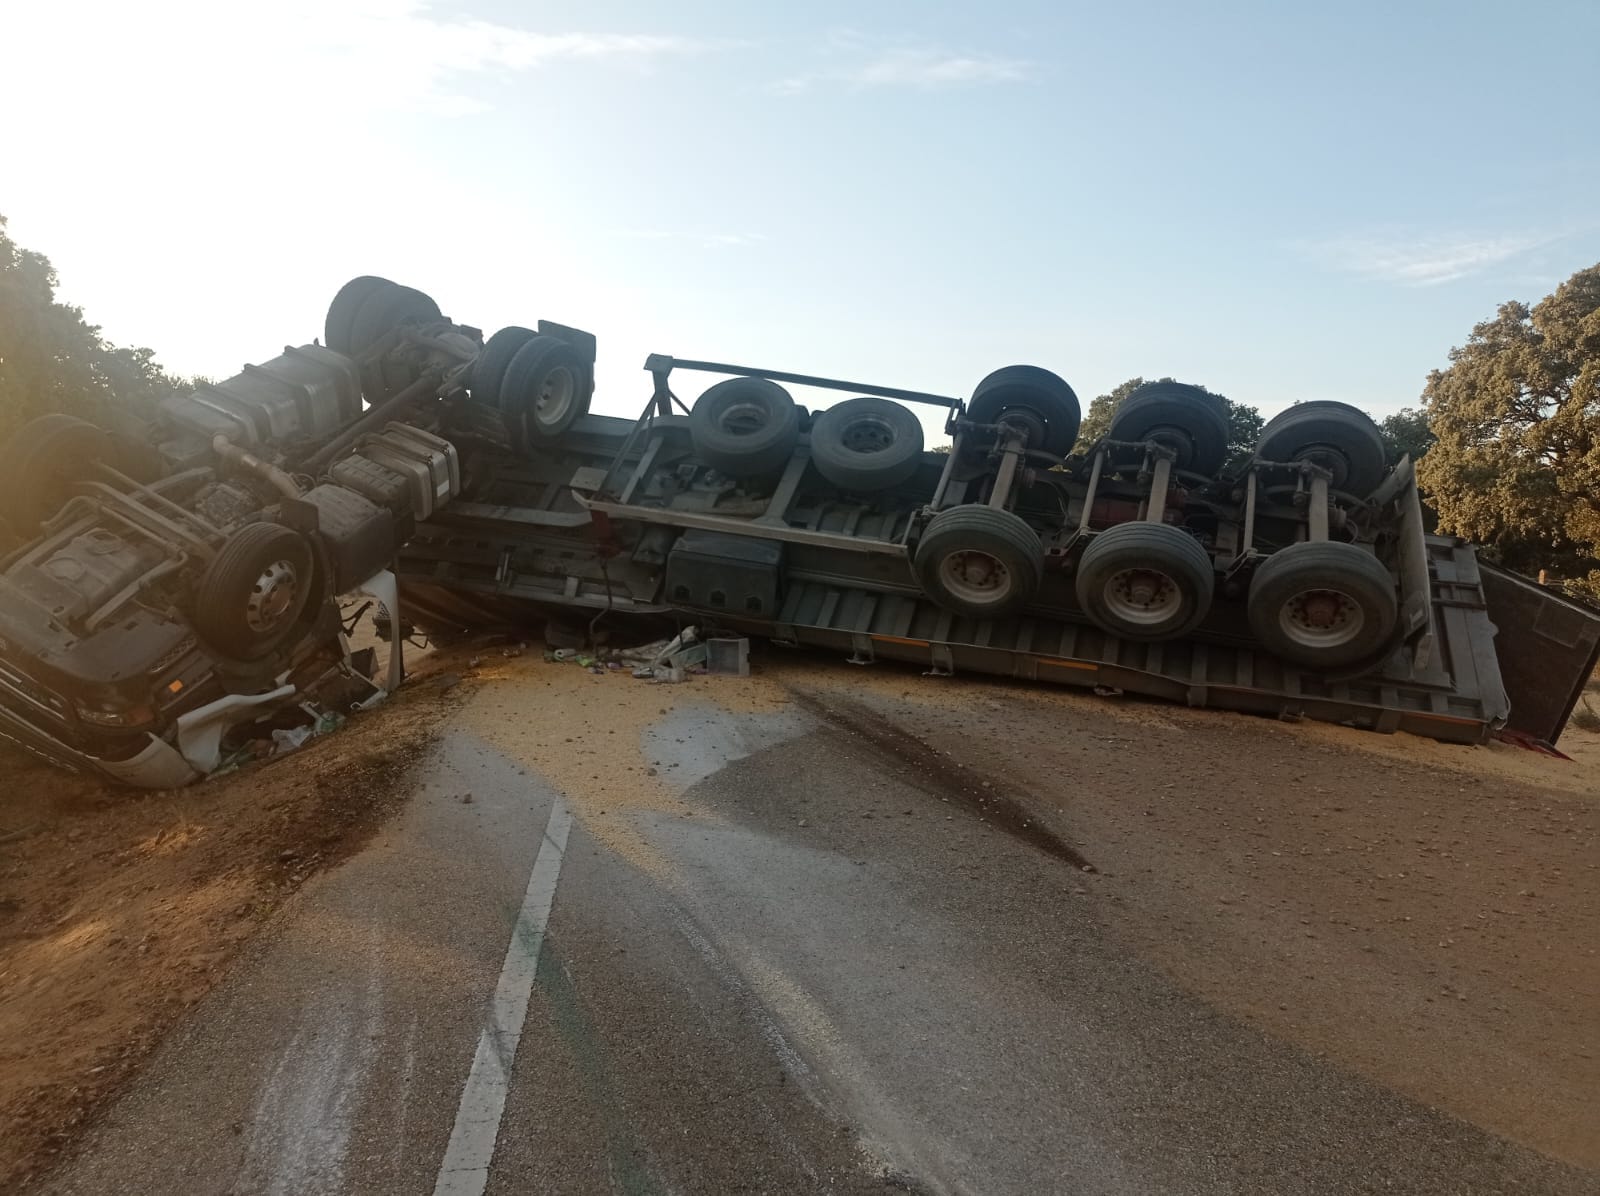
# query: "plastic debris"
[[688, 658], [287, 740]]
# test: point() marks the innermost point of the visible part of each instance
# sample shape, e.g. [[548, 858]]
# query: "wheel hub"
[[555, 395], [1179, 440], [1024, 420], [743, 419], [975, 576], [1145, 596], [271, 597], [1322, 618], [867, 435], [1329, 457]]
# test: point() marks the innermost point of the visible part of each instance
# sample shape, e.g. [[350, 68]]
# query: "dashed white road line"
[[465, 1169]]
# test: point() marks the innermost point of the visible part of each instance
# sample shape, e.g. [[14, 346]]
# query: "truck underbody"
[[514, 559], [1296, 582]]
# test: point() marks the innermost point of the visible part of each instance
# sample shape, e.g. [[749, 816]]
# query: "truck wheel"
[[745, 427], [1035, 396], [254, 591], [865, 445], [543, 390], [979, 561], [1322, 604], [41, 464], [1334, 435], [492, 360], [386, 309], [337, 327], [1184, 418], [1145, 581]]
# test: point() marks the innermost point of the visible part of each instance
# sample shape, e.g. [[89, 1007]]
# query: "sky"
[[1277, 201]]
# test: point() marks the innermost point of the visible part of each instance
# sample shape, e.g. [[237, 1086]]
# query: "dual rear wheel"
[[368, 309], [539, 383]]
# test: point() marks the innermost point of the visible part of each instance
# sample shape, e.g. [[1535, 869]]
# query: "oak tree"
[[1516, 465]]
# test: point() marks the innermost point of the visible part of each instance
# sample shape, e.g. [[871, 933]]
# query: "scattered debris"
[[661, 662], [728, 657]]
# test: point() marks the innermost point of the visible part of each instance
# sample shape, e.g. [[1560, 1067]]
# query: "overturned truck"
[[179, 582]]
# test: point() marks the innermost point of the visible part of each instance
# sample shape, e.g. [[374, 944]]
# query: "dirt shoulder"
[[120, 909], [1427, 916]]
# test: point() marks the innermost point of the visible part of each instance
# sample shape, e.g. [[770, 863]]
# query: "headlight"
[[115, 718]]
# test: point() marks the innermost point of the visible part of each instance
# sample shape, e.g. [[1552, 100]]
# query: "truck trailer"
[[182, 582]]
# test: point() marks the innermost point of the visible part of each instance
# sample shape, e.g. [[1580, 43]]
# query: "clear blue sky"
[[1279, 201]]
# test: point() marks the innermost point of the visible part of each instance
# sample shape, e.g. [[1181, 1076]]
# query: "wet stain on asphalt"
[[942, 775]]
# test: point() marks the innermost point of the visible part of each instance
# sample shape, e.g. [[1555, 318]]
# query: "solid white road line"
[[465, 1169]]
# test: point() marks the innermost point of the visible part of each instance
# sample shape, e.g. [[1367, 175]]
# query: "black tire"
[[385, 310], [40, 465], [492, 360], [980, 562], [1145, 581], [1041, 399], [745, 427], [252, 595], [865, 445], [1182, 417], [1323, 605], [1334, 435], [339, 326], [543, 390]]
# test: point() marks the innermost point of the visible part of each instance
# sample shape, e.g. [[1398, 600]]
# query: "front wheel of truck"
[[253, 593]]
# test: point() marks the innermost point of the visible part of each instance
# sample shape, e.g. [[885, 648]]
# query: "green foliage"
[[1517, 415], [52, 360], [1097, 420], [1406, 433], [1244, 423]]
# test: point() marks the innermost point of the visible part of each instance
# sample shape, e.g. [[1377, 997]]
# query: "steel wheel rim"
[[1321, 618], [272, 597], [1142, 597], [867, 434], [555, 396], [979, 578]]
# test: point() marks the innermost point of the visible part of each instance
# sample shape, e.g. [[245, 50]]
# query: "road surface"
[[650, 940]]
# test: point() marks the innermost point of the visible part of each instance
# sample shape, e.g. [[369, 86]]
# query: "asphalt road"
[[830, 970]]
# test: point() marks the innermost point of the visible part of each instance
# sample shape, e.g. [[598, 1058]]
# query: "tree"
[[1516, 465], [1244, 422], [1406, 434], [51, 359]]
